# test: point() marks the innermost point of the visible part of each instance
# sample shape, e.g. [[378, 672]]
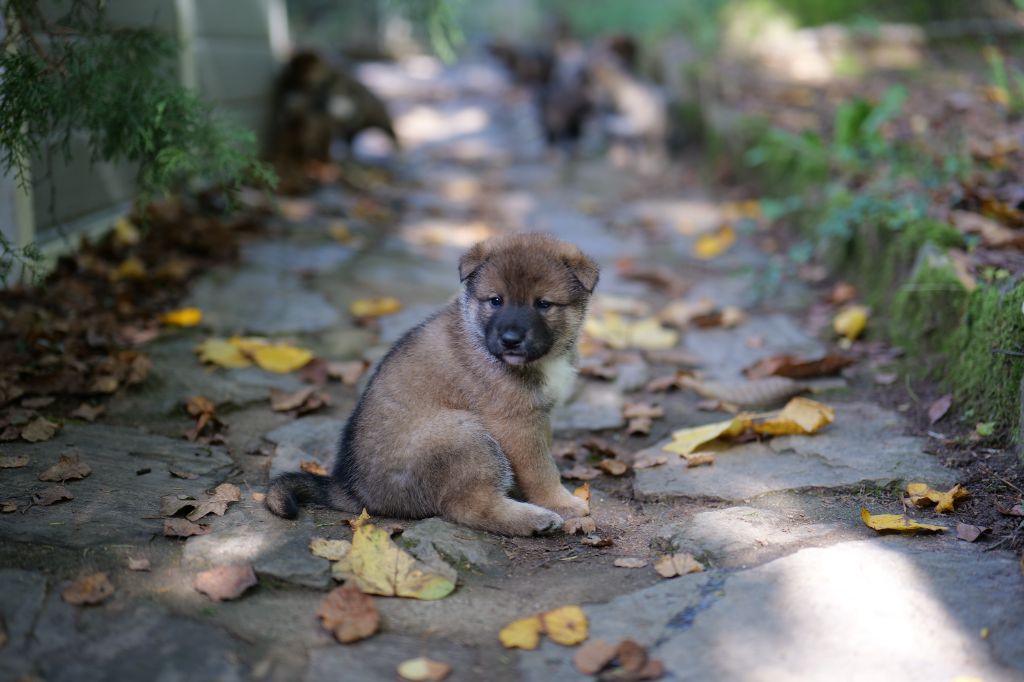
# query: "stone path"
[[795, 588]]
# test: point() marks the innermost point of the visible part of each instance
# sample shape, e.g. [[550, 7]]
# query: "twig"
[[1011, 353]]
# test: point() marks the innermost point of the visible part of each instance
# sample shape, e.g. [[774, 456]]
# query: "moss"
[[927, 307], [984, 381]]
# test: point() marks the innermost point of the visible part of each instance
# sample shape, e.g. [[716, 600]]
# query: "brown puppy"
[[458, 410]]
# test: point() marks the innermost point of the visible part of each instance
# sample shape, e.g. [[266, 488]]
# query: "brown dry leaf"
[[680, 314], [348, 614], [88, 412], [648, 460], [672, 356], [92, 589], [14, 461], [423, 669], [797, 367], [185, 475], [51, 495], [37, 403], [69, 468], [969, 533], [842, 292], [896, 523], [992, 233], [696, 459], [597, 541], [8, 507], [39, 429], [727, 317], [800, 416], [671, 565], [759, 393], [348, 373], [302, 401], [922, 495], [138, 564], [199, 405], [311, 467], [666, 382], [581, 472], [183, 528], [224, 583], [604, 448], [582, 492], [629, 562], [632, 657], [580, 525], [639, 426], [648, 410], [566, 625], [938, 409], [594, 656], [172, 504], [217, 503], [104, 384], [613, 467]]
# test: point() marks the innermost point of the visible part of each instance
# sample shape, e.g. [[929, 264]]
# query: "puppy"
[[458, 412]]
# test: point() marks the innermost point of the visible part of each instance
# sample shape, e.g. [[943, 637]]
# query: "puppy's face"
[[525, 296]]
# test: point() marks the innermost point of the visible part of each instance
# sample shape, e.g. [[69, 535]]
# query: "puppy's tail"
[[290, 490]]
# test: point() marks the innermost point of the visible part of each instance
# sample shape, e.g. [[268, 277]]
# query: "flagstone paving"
[[796, 587]]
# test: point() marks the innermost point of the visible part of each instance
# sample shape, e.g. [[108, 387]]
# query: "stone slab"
[[596, 408], [260, 302], [377, 659], [297, 258], [864, 444], [724, 353], [308, 438], [458, 545], [114, 504], [21, 598]]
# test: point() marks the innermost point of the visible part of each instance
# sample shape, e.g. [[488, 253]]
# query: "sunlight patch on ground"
[[424, 124], [431, 232]]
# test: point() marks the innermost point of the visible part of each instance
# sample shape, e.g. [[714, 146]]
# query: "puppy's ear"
[[473, 259], [583, 268]]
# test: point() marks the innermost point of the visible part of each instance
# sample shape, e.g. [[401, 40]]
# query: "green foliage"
[[789, 161], [928, 304], [116, 87], [1007, 82], [857, 129]]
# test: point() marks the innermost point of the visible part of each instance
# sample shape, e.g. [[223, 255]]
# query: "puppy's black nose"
[[511, 338]]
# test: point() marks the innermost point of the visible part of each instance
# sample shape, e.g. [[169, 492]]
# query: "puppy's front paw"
[[569, 506], [544, 522], [582, 525]]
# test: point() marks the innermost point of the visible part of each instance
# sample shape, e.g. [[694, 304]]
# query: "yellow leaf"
[[248, 344], [125, 232], [566, 625], [681, 563], [583, 492], [379, 566], [686, 441], [897, 523], [183, 317], [714, 244], [423, 669], [339, 232], [619, 333], [222, 353], [850, 321], [130, 268], [921, 495], [521, 634], [333, 550], [375, 307], [281, 358], [799, 416]]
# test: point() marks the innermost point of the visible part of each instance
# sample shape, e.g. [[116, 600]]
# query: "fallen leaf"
[[896, 523], [332, 550], [613, 467], [348, 614], [579, 525], [1015, 510], [681, 313], [39, 429], [594, 656], [851, 321], [671, 565], [714, 244], [727, 317], [125, 233], [630, 562], [130, 268], [104, 384], [757, 393], [639, 426], [224, 583], [88, 412], [172, 504], [51, 495], [648, 410], [281, 358], [185, 475], [886, 378], [992, 233], [581, 473], [672, 356], [8, 507], [347, 373], [375, 307], [14, 461], [379, 566], [138, 564], [685, 441], [797, 367], [799, 416], [596, 541], [566, 625], [68, 468], [969, 533], [696, 459], [632, 657], [842, 292], [983, 429], [37, 403], [217, 503], [922, 495], [648, 460], [222, 353], [582, 492], [183, 528], [92, 589], [522, 634], [619, 333], [423, 670], [282, 401], [938, 409], [339, 232], [183, 317], [604, 448], [311, 467]]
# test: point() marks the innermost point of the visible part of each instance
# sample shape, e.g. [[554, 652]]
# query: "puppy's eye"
[[496, 301], [542, 304]]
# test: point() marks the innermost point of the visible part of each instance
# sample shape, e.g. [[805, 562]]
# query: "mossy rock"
[[928, 305]]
